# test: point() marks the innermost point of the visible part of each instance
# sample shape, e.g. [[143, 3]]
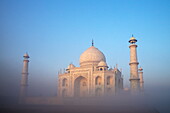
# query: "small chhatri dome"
[[132, 40], [140, 69], [70, 66], [26, 55], [92, 56], [102, 64]]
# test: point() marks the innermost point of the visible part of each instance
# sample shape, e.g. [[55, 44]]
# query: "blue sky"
[[55, 33]]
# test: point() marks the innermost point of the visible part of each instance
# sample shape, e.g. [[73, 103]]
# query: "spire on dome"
[[92, 43]]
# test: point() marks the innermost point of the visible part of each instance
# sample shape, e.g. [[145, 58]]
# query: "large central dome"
[[91, 56]]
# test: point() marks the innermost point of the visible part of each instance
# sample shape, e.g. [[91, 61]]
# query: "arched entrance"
[[98, 80], [109, 80], [80, 87], [64, 82]]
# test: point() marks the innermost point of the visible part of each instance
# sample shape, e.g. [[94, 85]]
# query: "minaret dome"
[[132, 40], [26, 56]]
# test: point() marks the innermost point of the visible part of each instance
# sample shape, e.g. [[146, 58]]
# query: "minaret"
[[141, 79], [24, 79], [134, 77]]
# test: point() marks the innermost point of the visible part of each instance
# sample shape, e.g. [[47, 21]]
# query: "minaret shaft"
[[24, 78], [141, 80], [133, 53], [25, 66], [141, 77], [133, 62]]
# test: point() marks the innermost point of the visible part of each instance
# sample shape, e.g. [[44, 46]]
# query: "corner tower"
[[134, 77], [141, 79]]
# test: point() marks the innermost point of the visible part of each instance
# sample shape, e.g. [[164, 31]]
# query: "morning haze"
[[56, 33]]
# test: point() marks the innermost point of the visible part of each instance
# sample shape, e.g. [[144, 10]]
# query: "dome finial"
[[92, 43], [132, 35]]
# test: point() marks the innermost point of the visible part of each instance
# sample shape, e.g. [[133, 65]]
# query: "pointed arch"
[[98, 80], [64, 82], [109, 80], [80, 87]]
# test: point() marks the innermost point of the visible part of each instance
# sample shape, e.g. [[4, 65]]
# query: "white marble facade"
[[92, 78]]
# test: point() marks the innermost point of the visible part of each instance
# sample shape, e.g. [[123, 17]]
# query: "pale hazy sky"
[[55, 33]]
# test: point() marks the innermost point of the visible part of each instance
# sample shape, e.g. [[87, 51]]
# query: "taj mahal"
[[93, 78]]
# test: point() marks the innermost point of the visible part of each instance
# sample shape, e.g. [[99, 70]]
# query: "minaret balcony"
[[133, 63], [135, 78]]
